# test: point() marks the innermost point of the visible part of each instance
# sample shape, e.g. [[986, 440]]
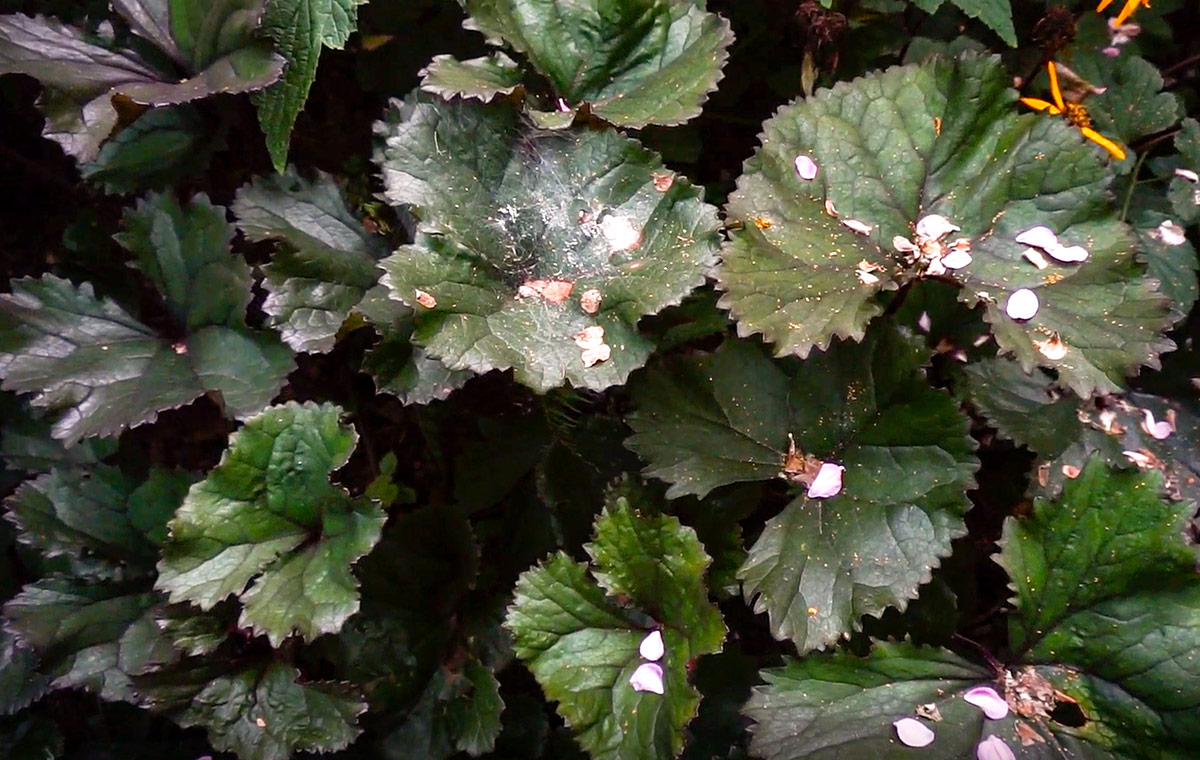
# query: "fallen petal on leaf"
[[1052, 348], [956, 259], [1022, 304], [1038, 237], [987, 699], [828, 481], [1071, 254], [994, 748], [935, 226], [861, 228], [425, 299], [1170, 233], [830, 208], [589, 301], [1035, 257], [913, 733], [1187, 174], [1156, 429], [652, 647], [924, 322], [647, 677], [903, 244], [806, 167], [590, 337], [593, 356]]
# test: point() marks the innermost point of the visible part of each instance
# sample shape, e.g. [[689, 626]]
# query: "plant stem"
[[1132, 184]]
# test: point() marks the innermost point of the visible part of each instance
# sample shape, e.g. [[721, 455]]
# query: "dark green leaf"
[[1106, 604], [475, 718], [1185, 192], [89, 635], [26, 443], [300, 29], [161, 148], [20, 682], [944, 137], [996, 14], [583, 648], [259, 713], [184, 250], [480, 78], [822, 563], [522, 227], [1133, 103], [835, 706], [327, 261], [1026, 408], [103, 371], [267, 517], [636, 62]]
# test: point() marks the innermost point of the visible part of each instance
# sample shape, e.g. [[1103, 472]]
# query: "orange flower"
[[1075, 113], [1126, 11]]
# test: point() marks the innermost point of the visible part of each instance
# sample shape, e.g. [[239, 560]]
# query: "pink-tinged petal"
[[1039, 237], [913, 733], [993, 748], [1111, 52], [935, 227], [652, 647], [903, 244], [1169, 233], [1068, 254], [861, 228], [806, 167], [987, 699], [956, 259], [1022, 305], [924, 322], [647, 677], [828, 481], [1157, 430]]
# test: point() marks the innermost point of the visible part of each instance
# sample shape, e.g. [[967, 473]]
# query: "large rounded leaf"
[[944, 138], [822, 563], [537, 250], [636, 62]]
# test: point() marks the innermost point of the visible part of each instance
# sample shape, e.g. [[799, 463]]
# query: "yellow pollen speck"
[[812, 611], [762, 222], [1051, 279]]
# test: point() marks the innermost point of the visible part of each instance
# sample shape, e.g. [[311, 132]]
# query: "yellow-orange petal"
[[1115, 150], [1054, 90], [1037, 104], [1130, 7], [1103, 4]]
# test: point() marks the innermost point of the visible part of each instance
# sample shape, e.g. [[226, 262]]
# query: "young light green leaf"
[[268, 517], [583, 647], [1106, 603], [261, 712], [838, 705], [636, 62], [300, 29], [539, 250], [184, 250], [823, 562], [327, 261], [480, 78], [891, 149]]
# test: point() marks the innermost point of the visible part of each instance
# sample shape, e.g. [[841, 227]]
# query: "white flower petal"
[[1156, 429], [861, 228], [987, 699], [1187, 174], [993, 748], [924, 322], [593, 356], [1170, 233], [956, 259], [652, 647], [1022, 305], [1069, 254], [1039, 237], [903, 244], [647, 677], [806, 167], [935, 227], [590, 337], [828, 481], [1035, 257], [913, 733]]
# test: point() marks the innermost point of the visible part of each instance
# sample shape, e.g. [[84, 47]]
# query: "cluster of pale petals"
[[649, 675], [914, 733]]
